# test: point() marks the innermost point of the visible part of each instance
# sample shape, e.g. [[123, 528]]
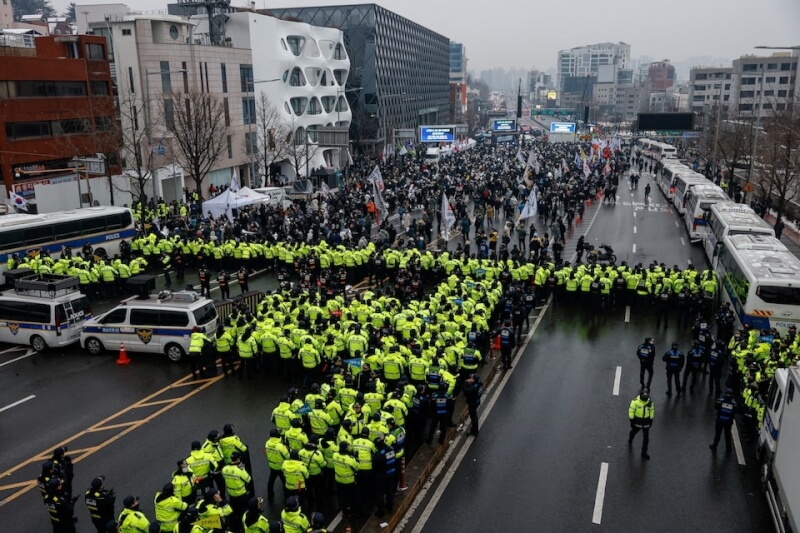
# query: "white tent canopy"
[[226, 202]]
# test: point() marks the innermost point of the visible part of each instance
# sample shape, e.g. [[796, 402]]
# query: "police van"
[[160, 323], [45, 311]]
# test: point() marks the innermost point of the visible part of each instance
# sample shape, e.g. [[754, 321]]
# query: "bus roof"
[[741, 216], [709, 192], [56, 216], [766, 258]]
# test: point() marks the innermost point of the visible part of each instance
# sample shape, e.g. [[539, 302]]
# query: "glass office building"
[[399, 70]]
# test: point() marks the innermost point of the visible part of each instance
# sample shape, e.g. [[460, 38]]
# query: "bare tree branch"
[[196, 121], [273, 135]]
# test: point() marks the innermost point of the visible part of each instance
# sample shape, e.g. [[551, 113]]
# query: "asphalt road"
[[537, 463]]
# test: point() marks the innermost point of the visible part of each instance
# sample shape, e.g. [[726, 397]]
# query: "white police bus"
[[101, 227], [683, 183], [730, 218], [699, 200], [761, 279]]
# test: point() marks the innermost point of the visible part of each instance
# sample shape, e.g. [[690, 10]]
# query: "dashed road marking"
[[599, 498], [683, 242], [676, 224], [617, 379], [634, 230], [634, 248], [18, 402], [627, 313], [737, 444]]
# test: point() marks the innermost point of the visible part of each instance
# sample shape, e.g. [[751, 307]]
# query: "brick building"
[[56, 104]]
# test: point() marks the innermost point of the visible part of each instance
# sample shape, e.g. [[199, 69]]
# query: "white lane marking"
[[437, 495], [617, 379], [634, 214], [737, 444], [29, 353], [627, 313], [683, 242], [601, 494], [676, 224], [9, 406], [12, 349], [634, 248], [634, 230]]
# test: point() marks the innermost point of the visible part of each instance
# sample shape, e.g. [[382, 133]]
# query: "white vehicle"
[[276, 195], [778, 443], [43, 312], [730, 218], [432, 156], [102, 227], [699, 200], [670, 170], [760, 278], [683, 183], [156, 324]]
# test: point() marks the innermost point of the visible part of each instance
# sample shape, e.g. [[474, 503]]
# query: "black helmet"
[[317, 520], [227, 429], [168, 488], [645, 394], [292, 504], [213, 434]]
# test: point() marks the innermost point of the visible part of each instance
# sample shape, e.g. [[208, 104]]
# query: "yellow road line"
[[112, 426], [159, 402], [101, 426]]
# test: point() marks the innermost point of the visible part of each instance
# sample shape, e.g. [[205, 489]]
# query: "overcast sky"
[[528, 34]]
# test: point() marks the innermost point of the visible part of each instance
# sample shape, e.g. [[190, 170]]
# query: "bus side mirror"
[[717, 248]]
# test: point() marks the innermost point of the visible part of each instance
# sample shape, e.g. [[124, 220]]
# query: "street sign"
[[691, 134], [669, 133], [748, 187], [562, 127]]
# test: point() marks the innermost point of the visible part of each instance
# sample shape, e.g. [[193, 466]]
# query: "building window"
[[169, 114], [251, 142], [699, 87], [772, 66], [338, 52], [745, 107], [126, 31], [749, 67], [224, 75], [782, 93], [313, 107], [135, 118], [786, 66], [780, 107], [770, 79], [297, 79], [698, 98], [185, 73], [70, 126], [748, 81], [104, 123], [246, 76], [24, 130], [166, 81], [769, 93], [226, 107], [726, 97], [299, 105], [100, 88], [295, 44], [746, 94], [43, 89], [95, 51], [130, 80], [727, 86], [248, 110], [230, 148], [783, 80]]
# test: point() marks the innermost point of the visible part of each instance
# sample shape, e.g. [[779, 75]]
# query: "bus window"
[[11, 239], [779, 295], [93, 225], [38, 235], [69, 229]]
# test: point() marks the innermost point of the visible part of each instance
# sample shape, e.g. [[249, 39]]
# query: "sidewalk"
[[790, 236]]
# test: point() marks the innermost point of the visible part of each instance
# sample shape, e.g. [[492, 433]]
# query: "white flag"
[[531, 206], [377, 192], [234, 182], [448, 218], [403, 150], [18, 201], [520, 157], [586, 169]]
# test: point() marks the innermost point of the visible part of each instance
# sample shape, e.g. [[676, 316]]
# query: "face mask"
[[185, 469]]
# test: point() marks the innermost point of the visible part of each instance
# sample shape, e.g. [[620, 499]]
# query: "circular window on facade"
[[173, 32]]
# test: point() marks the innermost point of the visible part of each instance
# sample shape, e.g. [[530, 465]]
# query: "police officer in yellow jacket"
[[237, 482], [169, 507], [641, 413], [197, 345]]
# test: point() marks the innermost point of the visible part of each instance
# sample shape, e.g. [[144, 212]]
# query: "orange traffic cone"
[[123, 358], [589, 202], [578, 219]]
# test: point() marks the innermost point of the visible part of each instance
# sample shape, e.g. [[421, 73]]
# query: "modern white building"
[[586, 60], [303, 71], [156, 58], [708, 86]]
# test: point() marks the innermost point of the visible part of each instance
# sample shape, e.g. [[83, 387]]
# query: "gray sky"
[[514, 33]]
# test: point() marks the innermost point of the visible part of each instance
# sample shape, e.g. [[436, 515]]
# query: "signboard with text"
[[504, 125], [437, 134], [562, 127]]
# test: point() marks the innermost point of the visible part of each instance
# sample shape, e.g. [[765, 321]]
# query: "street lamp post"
[[149, 123], [250, 144]]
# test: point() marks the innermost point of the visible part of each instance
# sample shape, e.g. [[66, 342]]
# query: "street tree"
[[136, 154], [273, 136], [70, 12], [734, 136], [32, 7], [778, 160], [300, 149], [196, 122]]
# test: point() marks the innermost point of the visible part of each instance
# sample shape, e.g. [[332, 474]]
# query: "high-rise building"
[[458, 82], [585, 61], [56, 104], [458, 63], [708, 86], [401, 69], [661, 75]]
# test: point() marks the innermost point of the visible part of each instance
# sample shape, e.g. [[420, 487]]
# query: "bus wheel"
[[38, 344], [174, 352], [94, 346]]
